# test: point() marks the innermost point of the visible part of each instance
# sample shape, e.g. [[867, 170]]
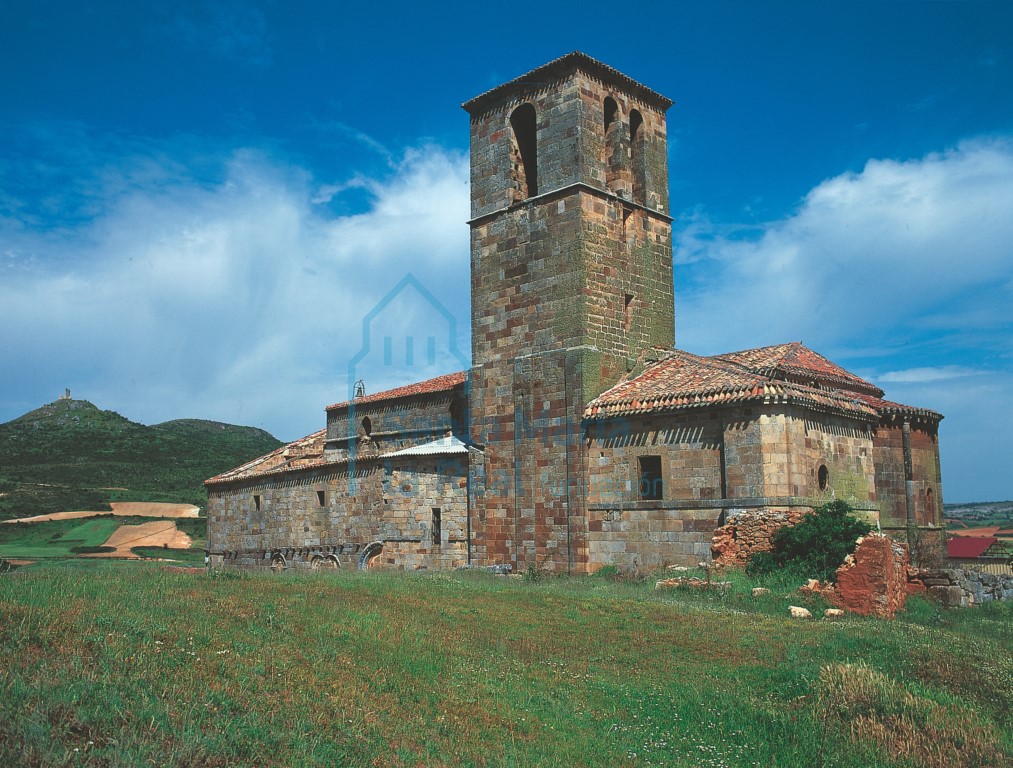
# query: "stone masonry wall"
[[567, 287], [649, 535], [962, 587], [844, 447], [393, 425], [888, 443], [392, 505]]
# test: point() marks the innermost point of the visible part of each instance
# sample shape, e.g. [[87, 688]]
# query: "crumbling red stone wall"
[[873, 580], [749, 531]]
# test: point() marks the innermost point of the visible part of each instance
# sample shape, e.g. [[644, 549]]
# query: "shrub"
[[816, 546]]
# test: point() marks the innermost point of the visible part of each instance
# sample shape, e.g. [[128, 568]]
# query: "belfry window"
[[638, 163], [524, 150], [613, 142]]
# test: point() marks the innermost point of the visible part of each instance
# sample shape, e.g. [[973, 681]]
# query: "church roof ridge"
[[683, 380], [443, 383], [570, 61], [794, 359]]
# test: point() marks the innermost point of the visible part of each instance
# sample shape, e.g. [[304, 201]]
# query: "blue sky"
[[200, 201]]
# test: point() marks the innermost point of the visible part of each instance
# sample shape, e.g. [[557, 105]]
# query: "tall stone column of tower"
[[571, 270]]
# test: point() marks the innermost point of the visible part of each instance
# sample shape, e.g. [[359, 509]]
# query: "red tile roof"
[[886, 408], [969, 546], [780, 373], [443, 383], [683, 380], [796, 362], [303, 453]]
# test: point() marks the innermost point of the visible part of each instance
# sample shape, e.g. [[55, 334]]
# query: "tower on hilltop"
[[571, 270]]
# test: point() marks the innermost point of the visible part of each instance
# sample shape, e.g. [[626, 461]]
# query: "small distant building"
[[970, 547], [580, 437]]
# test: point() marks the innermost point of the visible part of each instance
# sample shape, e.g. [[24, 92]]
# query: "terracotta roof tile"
[[887, 407], [305, 452], [683, 380], [795, 361], [443, 383]]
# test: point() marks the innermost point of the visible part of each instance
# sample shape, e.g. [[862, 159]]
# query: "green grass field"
[[62, 539], [130, 664]]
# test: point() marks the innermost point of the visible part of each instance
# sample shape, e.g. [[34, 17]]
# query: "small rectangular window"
[[437, 526], [321, 498], [256, 501], [628, 311], [650, 484]]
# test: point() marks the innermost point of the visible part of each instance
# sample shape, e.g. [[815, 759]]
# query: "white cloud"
[[924, 375], [240, 300], [876, 254]]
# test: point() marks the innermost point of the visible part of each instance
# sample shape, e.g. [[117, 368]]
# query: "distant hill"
[[979, 513], [71, 455]]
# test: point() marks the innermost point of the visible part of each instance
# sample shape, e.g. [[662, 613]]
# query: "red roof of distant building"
[[428, 387], [969, 546]]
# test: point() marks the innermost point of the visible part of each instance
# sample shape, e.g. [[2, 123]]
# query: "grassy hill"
[[71, 455], [115, 665]]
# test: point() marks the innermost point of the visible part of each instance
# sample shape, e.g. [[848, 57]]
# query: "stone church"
[[581, 436]]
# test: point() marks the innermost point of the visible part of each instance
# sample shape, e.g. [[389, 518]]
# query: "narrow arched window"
[[524, 150], [638, 162], [613, 142]]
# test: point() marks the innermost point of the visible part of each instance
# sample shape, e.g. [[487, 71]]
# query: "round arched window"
[[823, 477], [367, 425]]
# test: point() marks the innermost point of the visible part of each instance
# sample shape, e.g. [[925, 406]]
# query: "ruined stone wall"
[[873, 579], [747, 531], [961, 587], [391, 504]]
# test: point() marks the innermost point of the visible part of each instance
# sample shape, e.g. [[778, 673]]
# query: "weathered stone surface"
[[760, 591], [749, 531], [798, 612], [833, 613], [873, 580], [961, 587]]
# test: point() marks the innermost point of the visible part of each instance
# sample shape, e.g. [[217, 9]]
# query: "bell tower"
[[571, 279]]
